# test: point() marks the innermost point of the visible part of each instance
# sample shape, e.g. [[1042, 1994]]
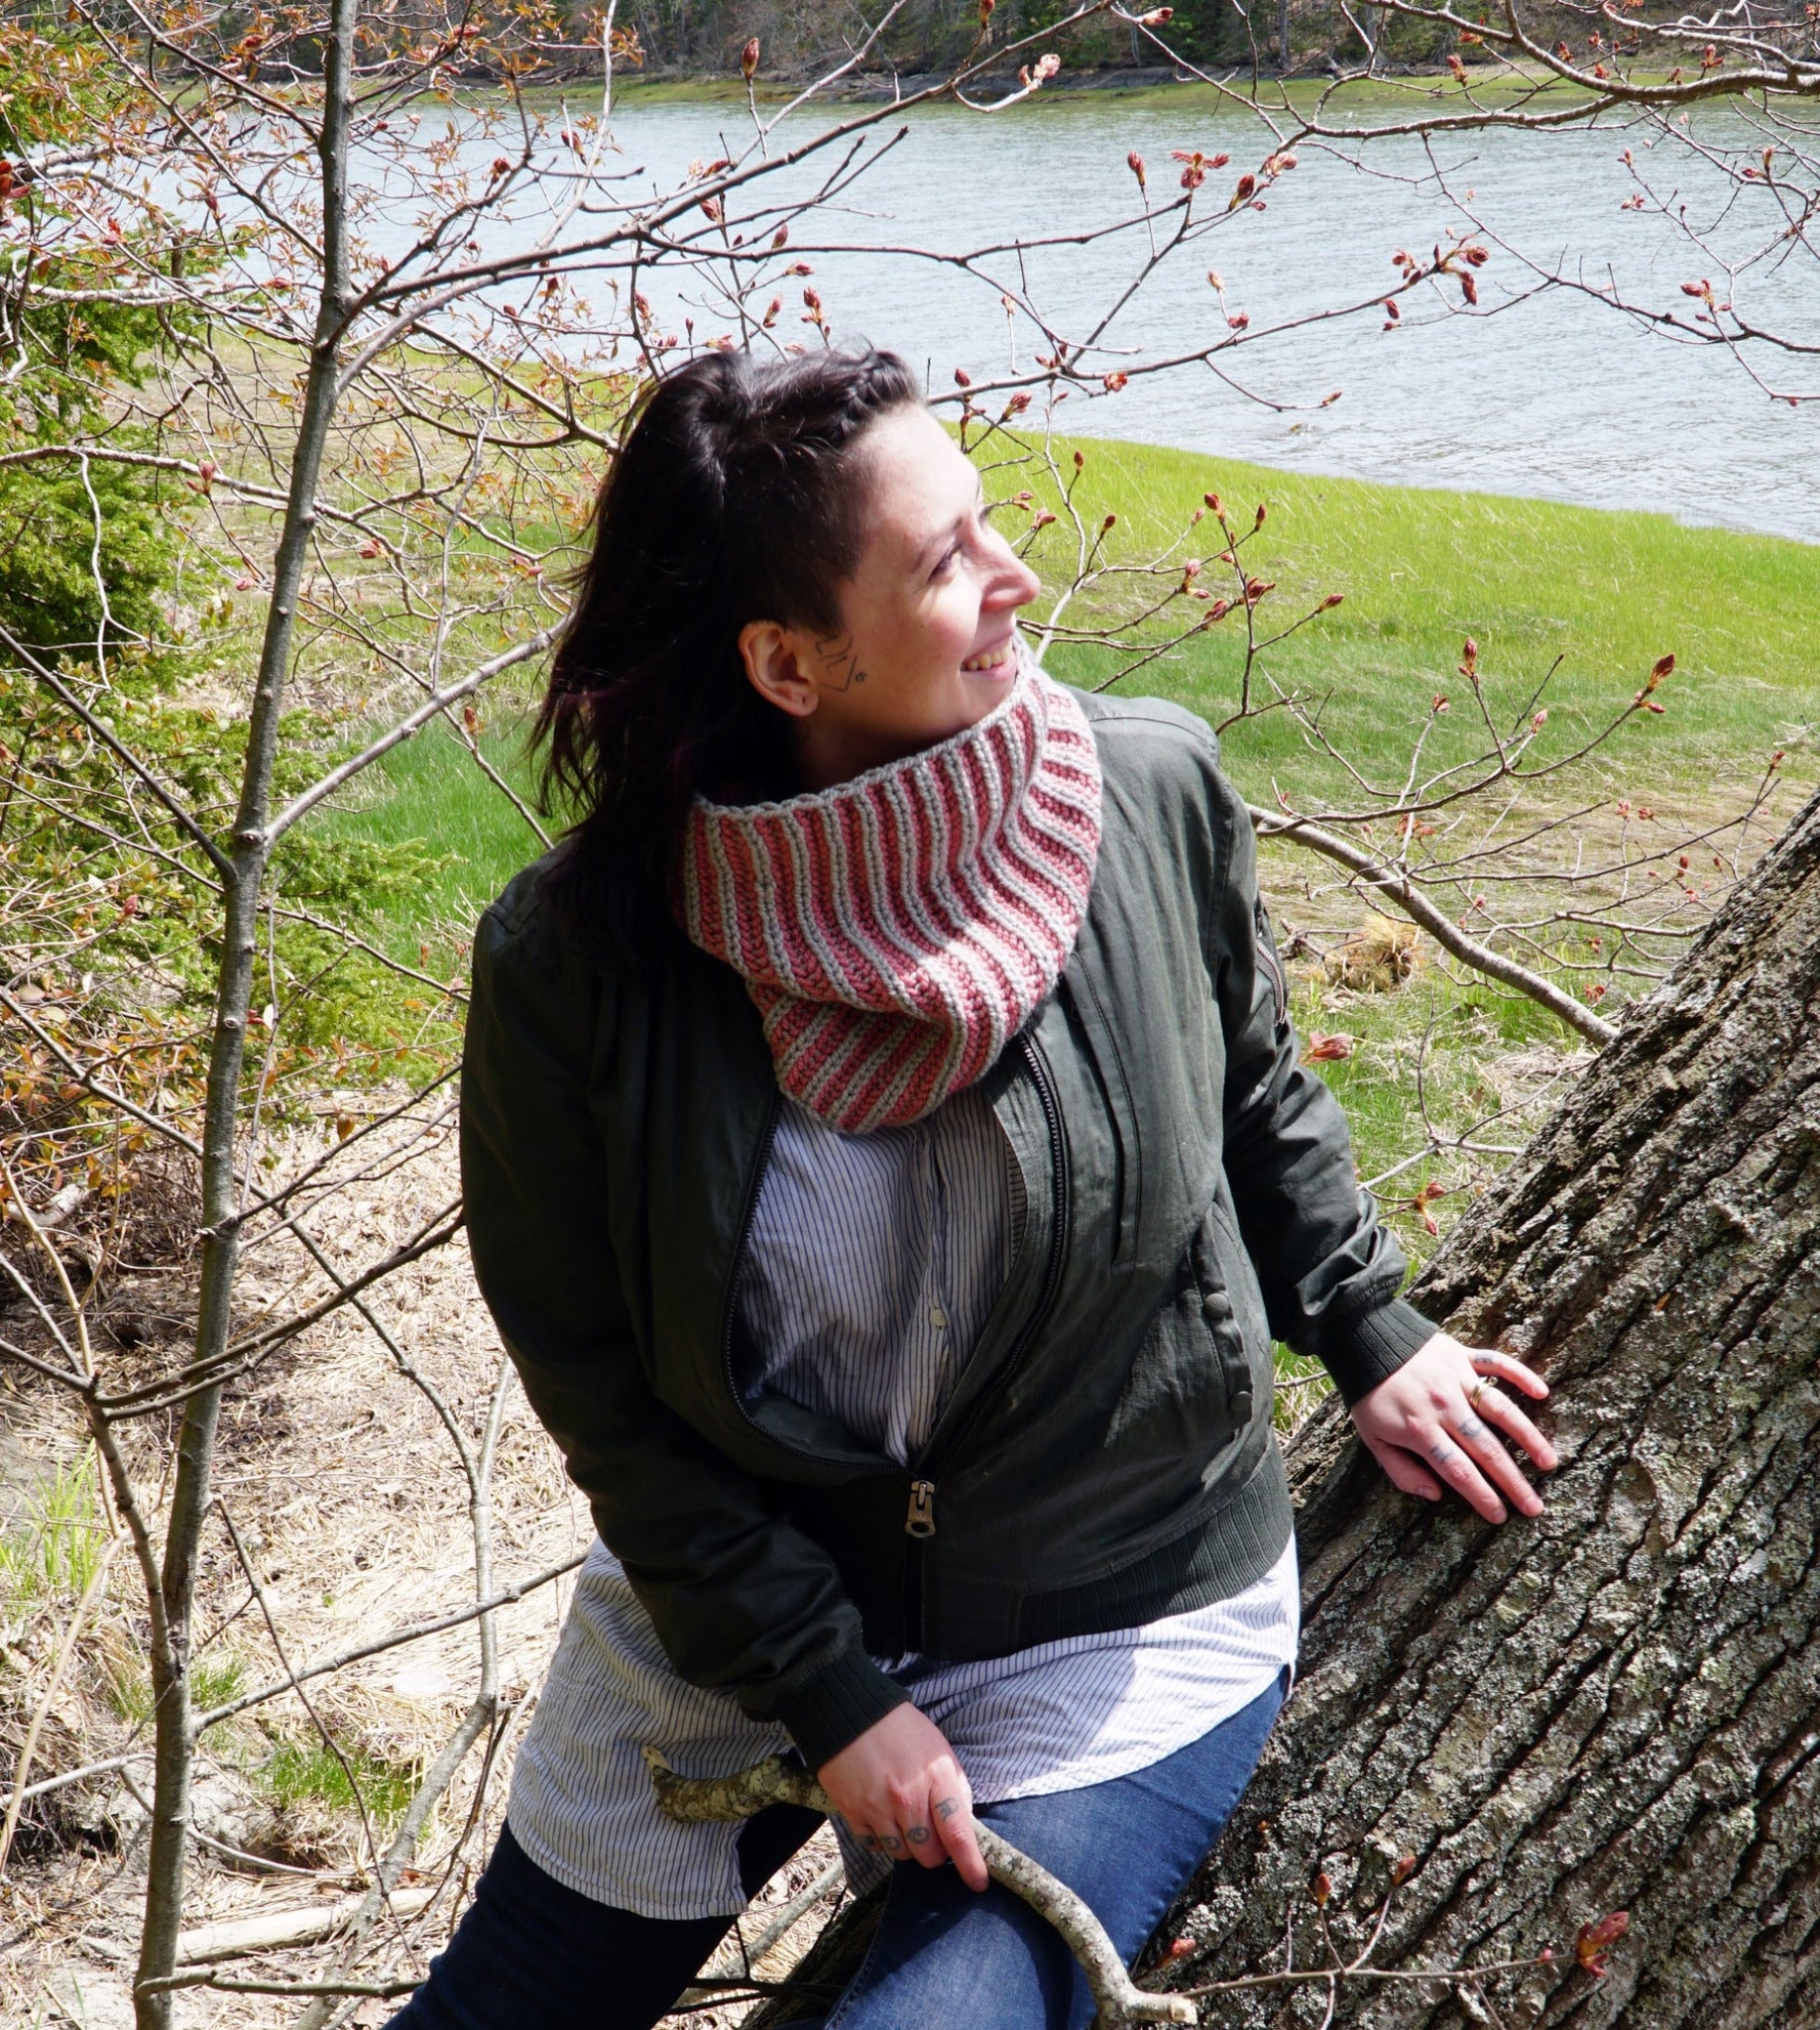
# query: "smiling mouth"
[[991, 659]]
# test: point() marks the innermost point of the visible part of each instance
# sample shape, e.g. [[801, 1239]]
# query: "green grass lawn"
[[1530, 581]]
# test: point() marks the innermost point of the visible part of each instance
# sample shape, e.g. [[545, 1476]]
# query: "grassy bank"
[[1533, 582]]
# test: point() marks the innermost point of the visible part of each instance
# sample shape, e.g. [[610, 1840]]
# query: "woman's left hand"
[[1439, 1415]]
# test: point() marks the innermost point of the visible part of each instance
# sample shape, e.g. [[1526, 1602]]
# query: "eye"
[[947, 561]]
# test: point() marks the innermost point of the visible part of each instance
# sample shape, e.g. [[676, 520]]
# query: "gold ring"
[[1474, 1394]]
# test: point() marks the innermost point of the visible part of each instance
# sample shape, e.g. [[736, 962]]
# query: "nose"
[[1010, 581]]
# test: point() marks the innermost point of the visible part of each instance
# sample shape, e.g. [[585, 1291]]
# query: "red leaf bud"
[[1135, 162], [748, 60], [1589, 1947], [1323, 1887]]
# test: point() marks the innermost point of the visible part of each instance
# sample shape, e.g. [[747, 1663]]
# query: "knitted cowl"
[[896, 931]]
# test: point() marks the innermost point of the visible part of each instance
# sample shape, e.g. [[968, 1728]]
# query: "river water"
[[1546, 393], [1539, 392]]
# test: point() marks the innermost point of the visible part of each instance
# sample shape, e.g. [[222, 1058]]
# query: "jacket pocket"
[[1216, 1275]]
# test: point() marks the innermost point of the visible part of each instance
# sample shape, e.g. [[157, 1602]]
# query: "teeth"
[[988, 661]]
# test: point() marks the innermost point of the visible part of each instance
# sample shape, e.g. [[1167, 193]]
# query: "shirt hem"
[[1057, 1782], [669, 1908]]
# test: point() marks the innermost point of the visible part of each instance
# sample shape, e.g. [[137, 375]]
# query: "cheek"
[[954, 618], [927, 639]]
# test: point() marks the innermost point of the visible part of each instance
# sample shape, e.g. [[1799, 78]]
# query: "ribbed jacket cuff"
[[1369, 1347], [834, 1707]]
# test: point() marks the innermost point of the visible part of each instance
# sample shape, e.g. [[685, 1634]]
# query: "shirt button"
[[938, 1318]]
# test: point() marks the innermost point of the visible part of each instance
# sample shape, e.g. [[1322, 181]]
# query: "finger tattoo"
[[946, 1807], [1471, 1427], [891, 1843], [1444, 1452], [916, 1835]]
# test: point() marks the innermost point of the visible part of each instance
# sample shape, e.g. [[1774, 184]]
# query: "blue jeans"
[[529, 1951]]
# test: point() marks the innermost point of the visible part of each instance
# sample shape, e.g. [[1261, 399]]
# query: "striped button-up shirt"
[[872, 1265]]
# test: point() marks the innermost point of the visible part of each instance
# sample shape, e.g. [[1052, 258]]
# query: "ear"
[[776, 668]]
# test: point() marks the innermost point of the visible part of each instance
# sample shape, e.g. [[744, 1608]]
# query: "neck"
[[827, 756]]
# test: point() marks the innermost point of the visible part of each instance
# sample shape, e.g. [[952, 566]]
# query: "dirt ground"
[[344, 1483]]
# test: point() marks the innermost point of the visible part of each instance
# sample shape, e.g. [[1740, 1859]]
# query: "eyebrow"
[[935, 542]]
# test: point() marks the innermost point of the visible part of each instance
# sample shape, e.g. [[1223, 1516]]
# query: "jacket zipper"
[[1272, 966], [919, 1521]]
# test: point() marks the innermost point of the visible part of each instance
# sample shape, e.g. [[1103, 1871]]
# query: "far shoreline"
[[1150, 82]]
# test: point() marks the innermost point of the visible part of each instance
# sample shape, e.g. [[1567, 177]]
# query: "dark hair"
[[734, 498]]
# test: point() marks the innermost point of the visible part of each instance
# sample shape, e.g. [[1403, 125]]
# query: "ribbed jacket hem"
[[1370, 1347], [836, 1706], [1212, 1560]]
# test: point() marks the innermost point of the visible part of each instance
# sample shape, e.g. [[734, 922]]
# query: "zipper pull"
[[919, 1521]]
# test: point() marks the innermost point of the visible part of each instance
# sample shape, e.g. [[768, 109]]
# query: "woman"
[[887, 1163]]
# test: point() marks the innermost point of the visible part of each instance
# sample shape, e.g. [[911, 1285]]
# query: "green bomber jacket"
[[1106, 1456]]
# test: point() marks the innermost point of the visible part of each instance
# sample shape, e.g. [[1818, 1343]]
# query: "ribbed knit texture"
[[895, 932]]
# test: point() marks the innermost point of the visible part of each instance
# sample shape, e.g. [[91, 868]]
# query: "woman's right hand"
[[901, 1791]]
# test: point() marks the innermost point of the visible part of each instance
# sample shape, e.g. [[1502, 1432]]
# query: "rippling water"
[[1550, 395], [1541, 391]]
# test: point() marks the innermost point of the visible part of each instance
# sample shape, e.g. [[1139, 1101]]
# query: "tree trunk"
[[1618, 1705]]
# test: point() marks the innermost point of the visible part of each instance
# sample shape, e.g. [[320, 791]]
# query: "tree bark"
[[1618, 1705]]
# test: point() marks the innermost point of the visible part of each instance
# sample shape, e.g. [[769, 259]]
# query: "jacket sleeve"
[[741, 1600], [1329, 1270]]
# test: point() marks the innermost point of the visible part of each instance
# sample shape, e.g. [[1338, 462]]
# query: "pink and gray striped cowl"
[[896, 931]]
